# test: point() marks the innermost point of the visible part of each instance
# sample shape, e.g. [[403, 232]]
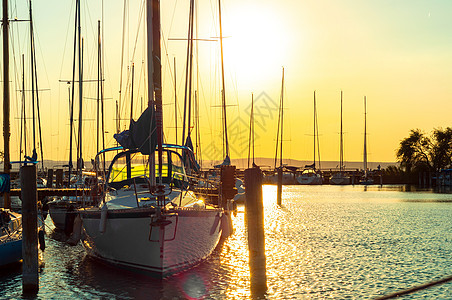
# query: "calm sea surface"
[[325, 242]]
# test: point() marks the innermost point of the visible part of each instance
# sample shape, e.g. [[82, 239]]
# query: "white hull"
[[309, 180], [60, 211], [127, 239], [10, 237], [339, 179], [287, 179], [58, 214]]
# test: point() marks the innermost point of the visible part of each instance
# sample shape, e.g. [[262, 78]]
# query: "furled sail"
[[139, 132]]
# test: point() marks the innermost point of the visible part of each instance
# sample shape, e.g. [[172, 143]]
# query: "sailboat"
[[10, 237], [148, 219], [287, 172], [310, 175], [365, 179], [340, 177]]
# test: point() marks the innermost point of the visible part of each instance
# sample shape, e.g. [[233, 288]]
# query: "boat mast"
[[282, 118], [315, 122], [317, 133], [280, 121], [98, 87], [365, 138], [155, 82], [341, 155], [34, 84], [23, 124], [188, 71], [131, 93], [223, 92], [72, 98], [175, 98], [251, 134], [6, 100]]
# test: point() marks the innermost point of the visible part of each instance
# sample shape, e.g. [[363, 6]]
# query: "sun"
[[257, 42]]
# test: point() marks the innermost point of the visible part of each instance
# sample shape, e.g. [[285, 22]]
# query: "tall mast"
[[175, 98], [131, 92], [315, 122], [317, 132], [365, 137], [6, 125], [251, 135], [24, 115], [223, 92], [341, 156], [34, 84], [98, 88], [282, 118], [188, 70], [72, 96], [155, 81], [280, 121], [32, 80]]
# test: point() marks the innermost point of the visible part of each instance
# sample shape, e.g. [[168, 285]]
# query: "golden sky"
[[397, 53]]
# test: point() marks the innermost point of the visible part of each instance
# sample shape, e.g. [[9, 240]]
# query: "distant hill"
[[264, 163]]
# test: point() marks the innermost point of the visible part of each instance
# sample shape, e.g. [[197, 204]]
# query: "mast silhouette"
[[365, 138], [341, 155], [6, 102], [223, 94]]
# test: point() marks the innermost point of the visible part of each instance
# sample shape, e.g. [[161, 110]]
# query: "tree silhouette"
[[441, 151], [414, 151], [420, 152]]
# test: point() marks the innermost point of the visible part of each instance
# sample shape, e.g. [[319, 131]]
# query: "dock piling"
[[50, 178], [59, 178], [29, 197], [279, 190], [254, 216]]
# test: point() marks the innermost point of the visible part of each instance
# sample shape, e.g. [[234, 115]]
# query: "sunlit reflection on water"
[[324, 242]]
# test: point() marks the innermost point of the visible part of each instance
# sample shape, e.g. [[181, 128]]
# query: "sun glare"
[[258, 43]]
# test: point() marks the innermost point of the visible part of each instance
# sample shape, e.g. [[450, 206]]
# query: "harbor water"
[[324, 242]]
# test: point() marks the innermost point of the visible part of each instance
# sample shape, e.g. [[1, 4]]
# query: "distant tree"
[[420, 152], [414, 151], [441, 151], [392, 170]]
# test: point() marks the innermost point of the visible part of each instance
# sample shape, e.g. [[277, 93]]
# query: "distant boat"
[[288, 176], [10, 237], [310, 176], [340, 178]]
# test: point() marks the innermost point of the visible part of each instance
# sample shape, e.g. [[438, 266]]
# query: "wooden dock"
[[52, 192]]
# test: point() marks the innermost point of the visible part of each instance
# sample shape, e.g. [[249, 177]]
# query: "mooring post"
[[49, 178], [29, 197], [59, 178], [254, 216], [279, 190]]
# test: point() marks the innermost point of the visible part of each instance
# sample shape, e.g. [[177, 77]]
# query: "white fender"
[[215, 224], [226, 225], [76, 232], [103, 219]]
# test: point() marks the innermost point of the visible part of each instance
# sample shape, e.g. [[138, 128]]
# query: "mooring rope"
[[415, 289]]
